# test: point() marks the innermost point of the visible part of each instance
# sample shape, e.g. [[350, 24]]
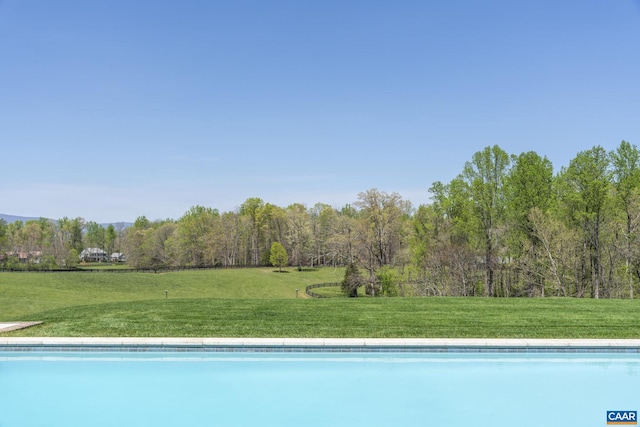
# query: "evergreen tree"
[[352, 281]]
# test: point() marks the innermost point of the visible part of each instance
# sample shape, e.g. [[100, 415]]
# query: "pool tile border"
[[307, 345]]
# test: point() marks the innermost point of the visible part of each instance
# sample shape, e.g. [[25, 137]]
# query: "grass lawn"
[[26, 294], [262, 303]]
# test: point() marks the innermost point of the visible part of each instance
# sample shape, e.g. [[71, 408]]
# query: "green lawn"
[[26, 294], [262, 303]]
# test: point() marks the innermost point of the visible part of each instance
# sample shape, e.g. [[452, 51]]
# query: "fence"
[[109, 270], [319, 285]]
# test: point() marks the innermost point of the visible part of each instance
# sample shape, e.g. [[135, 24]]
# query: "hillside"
[[13, 218]]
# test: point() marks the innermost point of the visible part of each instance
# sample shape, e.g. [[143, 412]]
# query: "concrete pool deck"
[[322, 344], [12, 326]]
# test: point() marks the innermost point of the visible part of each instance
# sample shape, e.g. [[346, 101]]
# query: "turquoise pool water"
[[315, 389]]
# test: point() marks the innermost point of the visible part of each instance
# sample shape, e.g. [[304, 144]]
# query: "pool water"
[[315, 389]]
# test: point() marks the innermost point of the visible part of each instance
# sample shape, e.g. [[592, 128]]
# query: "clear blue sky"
[[118, 108]]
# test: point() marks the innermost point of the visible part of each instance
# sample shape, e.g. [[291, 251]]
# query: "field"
[[263, 303]]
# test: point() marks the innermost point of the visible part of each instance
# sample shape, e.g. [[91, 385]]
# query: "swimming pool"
[[155, 387]]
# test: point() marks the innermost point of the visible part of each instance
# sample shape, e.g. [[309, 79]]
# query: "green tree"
[[559, 245], [15, 236], [60, 245], [485, 177], [150, 245], [194, 236], [529, 187], [228, 239], [426, 224], [251, 210], [322, 217], [342, 243], [626, 180], [272, 220], [388, 279], [278, 256], [3, 235], [74, 232], [299, 235], [383, 216], [73, 259], [157, 247], [134, 241], [141, 223], [32, 240], [586, 184], [110, 237], [95, 235], [352, 281], [443, 243], [381, 232]]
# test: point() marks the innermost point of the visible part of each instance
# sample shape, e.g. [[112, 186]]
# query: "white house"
[[93, 255], [118, 257]]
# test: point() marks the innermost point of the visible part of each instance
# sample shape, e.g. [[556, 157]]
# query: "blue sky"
[[114, 109]]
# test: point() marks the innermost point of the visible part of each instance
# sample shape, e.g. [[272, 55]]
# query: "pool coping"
[[319, 344]]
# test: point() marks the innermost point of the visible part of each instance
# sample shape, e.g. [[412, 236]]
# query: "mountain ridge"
[[14, 218]]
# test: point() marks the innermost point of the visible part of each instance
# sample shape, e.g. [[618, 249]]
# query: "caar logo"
[[622, 418]]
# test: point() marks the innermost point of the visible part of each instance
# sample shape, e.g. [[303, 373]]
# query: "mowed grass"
[[262, 303], [24, 294]]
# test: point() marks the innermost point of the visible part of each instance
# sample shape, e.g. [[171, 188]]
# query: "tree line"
[[506, 226]]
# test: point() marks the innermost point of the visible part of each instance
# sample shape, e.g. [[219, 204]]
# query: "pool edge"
[[318, 344]]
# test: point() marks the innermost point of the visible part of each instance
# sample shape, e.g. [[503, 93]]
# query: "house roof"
[[93, 251]]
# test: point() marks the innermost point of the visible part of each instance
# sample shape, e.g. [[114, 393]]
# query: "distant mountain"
[[13, 218], [120, 224]]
